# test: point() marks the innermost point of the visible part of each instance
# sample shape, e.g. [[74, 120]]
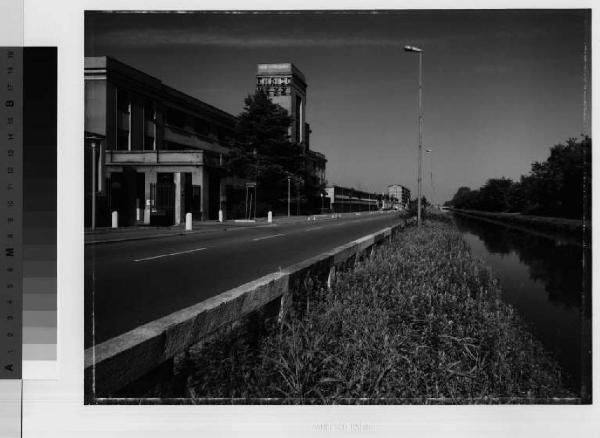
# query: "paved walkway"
[[143, 232]]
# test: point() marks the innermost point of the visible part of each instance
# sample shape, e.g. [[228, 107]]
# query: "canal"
[[544, 279]]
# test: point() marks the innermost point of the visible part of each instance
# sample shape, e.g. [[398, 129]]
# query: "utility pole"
[[419, 178], [256, 183], [289, 199], [94, 185]]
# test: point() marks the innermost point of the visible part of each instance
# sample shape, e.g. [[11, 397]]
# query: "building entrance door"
[[214, 196], [162, 194], [122, 196], [196, 202]]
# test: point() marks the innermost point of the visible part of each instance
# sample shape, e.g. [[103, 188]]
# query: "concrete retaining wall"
[[118, 362]]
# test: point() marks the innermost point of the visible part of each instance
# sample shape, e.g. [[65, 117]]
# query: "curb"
[[185, 233]]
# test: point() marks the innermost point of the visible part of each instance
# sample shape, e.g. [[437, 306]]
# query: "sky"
[[500, 87]]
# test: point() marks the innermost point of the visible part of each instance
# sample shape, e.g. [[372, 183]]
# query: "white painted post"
[[220, 215], [270, 217], [115, 219], [147, 212], [178, 193], [331, 277], [188, 221]]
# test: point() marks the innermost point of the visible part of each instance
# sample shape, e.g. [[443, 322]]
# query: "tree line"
[[559, 187]]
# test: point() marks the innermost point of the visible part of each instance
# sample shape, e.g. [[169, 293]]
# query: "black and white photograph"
[[337, 207]]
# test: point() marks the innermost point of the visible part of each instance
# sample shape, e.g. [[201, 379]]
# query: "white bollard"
[[188, 221], [220, 215], [270, 217], [115, 219]]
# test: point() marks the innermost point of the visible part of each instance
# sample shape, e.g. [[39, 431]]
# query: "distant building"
[[286, 86], [158, 153], [346, 199], [400, 195]]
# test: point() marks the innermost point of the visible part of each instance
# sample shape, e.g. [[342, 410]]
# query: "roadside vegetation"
[[418, 321]]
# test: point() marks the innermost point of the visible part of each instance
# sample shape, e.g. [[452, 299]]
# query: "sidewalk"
[[144, 232]]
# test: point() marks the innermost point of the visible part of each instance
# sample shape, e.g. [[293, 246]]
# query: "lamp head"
[[412, 49]]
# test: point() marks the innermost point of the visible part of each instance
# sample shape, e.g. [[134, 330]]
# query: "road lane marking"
[[168, 255], [312, 229], [267, 237]]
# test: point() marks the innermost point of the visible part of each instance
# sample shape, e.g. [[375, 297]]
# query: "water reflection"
[[544, 278], [554, 261]]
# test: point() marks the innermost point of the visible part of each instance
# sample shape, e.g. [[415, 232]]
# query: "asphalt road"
[[128, 284]]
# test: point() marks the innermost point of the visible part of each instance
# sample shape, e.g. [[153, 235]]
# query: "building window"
[[298, 119], [201, 127], [175, 118], [123, 140], [148, 143], [149, 127], [123, 121]]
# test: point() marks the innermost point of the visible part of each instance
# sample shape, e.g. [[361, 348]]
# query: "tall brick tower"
[[286, 86]]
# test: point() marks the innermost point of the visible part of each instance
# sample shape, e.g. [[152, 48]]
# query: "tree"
[[494, 195], [459, 200], [262, 151], [559, 186]]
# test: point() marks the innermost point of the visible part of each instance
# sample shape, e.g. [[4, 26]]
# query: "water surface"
[[543, 277]]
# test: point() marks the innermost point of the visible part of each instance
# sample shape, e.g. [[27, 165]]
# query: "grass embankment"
[[551, 224], [418, 320]]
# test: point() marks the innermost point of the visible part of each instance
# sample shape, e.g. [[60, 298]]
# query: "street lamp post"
[[429, 152], [414, 49], [93, 185], [297, 197], [289, 200], [97, 160], [255, 182]]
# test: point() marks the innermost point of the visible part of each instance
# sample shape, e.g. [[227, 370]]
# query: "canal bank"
[[542, 276], [575, 228], [418, 321]]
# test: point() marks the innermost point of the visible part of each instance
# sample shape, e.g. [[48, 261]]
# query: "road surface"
[[128, 284]]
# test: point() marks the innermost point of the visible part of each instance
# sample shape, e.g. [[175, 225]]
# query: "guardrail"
[[120, 361]]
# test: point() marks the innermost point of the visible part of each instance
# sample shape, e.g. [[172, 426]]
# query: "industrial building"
[[153, 153], [286, 86], [345, 199], [156, 152]]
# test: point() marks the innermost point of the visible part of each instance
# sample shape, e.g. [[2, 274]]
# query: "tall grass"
[[418, 321]]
